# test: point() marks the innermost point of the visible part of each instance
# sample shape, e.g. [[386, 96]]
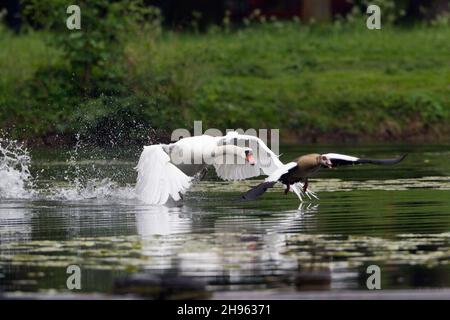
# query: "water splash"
[[80, 185], [73, 165], [99, 189], [15, 178], [16, 181]]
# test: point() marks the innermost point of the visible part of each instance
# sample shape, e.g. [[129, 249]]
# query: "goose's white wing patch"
[[280, 171], [340, 157], [158, 178]]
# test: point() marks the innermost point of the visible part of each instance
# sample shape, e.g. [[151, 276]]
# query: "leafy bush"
[[95, 51], [312, 80]]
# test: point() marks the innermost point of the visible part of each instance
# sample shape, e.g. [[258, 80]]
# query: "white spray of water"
[[104, 189], [15, 178], [80, 186], [16, 182]]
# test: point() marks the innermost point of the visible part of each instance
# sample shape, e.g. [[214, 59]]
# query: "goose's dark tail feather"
[[257, 191]]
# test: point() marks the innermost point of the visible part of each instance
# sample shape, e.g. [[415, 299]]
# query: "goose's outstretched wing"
[[344, 160], [257, 191], [267, 161], [158, 178], [270, 181]]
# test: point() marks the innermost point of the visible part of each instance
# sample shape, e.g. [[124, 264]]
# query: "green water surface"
[[83, 212]]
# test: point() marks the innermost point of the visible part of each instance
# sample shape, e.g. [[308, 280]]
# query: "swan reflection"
[[240, 248]]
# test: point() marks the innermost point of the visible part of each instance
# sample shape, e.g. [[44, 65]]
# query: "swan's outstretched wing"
[[235, 171], [158, 178], [267, 161], [344, 160]]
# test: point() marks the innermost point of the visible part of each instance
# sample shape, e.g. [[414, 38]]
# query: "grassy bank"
[[315, 83]]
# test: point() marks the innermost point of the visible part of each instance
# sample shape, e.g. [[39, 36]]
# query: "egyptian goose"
[[167, 170], [303, 167]]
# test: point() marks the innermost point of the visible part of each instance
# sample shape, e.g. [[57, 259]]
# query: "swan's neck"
[[226, 155]]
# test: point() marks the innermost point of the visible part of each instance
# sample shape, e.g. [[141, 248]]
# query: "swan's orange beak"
[[250, 159]]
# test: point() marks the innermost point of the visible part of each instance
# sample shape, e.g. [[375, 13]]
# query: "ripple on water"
[[401, 224]]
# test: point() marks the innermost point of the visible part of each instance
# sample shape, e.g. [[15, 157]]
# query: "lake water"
[[80, 210]]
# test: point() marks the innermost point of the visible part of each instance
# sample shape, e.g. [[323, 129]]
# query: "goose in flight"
[[303, 167], [167, 170]]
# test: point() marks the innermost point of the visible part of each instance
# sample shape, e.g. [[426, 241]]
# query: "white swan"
[[167, 170]]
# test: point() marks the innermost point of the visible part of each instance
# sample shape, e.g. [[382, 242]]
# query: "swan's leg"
[[203, 173]]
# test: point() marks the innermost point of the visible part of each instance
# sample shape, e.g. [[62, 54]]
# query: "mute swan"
[[167, 170], [303, 167]]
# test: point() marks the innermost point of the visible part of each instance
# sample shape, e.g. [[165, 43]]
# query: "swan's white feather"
[[158, 179], [235, 171], [267, 161], [193, 150]]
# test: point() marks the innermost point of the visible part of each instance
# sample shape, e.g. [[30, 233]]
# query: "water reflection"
[[15, 221], [402, 225], [239, 251], [162, 220]]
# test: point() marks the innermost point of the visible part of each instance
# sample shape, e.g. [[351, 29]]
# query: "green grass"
[[317, 83], [21, 56]]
